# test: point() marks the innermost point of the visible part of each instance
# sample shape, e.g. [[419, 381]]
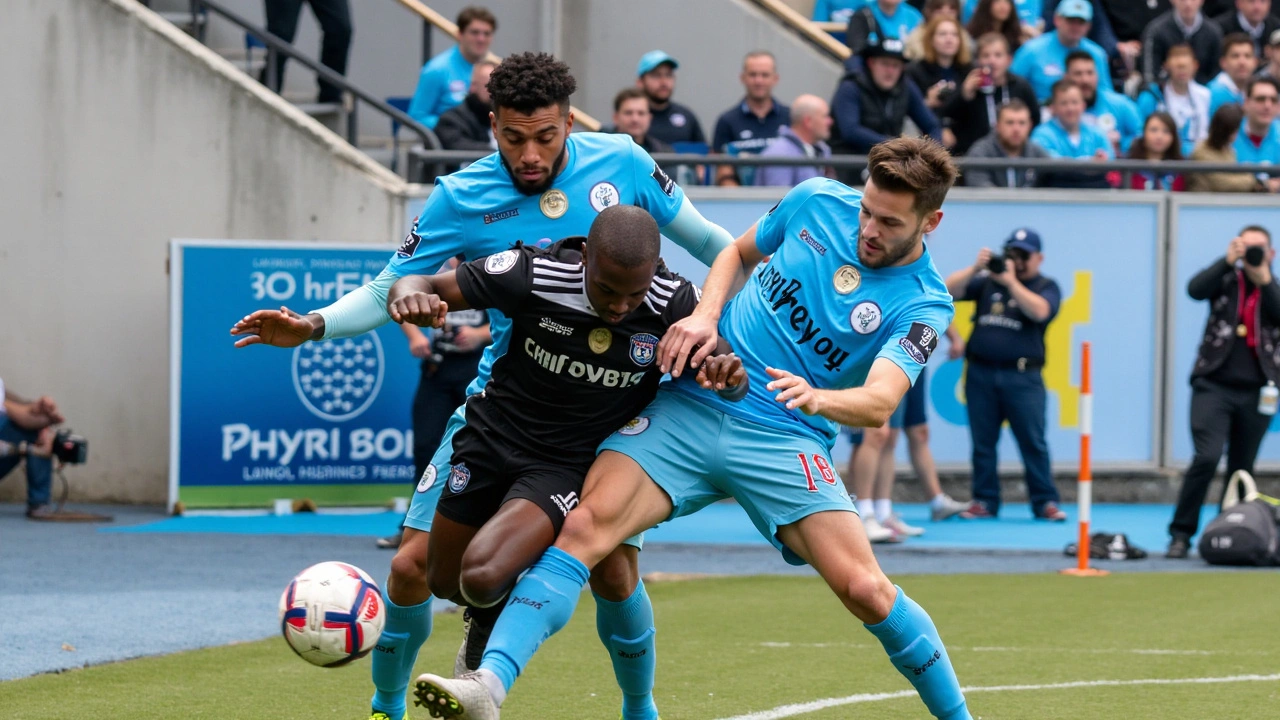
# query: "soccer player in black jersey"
[[586, 320]]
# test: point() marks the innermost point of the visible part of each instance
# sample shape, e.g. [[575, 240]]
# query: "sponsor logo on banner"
[[603, 195], [338, 380], [459, 476], [428, 479], [643, 349], [501, 262]]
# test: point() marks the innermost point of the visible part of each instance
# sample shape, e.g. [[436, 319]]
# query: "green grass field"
[[731, 646]]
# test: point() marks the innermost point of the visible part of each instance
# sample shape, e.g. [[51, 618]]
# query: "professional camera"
[[1255, 255], [996, 264], [70, 448]]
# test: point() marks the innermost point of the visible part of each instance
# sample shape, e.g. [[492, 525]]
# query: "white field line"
[[1056, 651], [786, 711]]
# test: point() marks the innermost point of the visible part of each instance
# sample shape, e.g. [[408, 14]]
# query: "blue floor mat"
[[727, 524]]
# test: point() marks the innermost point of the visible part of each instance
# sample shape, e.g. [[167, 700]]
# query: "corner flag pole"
[[1084, 487]]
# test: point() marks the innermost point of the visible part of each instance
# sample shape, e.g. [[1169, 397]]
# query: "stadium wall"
[[121, 132]]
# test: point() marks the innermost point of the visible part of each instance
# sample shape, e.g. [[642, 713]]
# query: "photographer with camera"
[[1005, 353], [26, 433], [1233, 383]]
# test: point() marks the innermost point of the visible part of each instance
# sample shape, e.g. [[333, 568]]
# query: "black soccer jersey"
[[568, 379]]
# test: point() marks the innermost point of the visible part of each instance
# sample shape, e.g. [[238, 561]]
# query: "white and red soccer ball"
[[332, 613]]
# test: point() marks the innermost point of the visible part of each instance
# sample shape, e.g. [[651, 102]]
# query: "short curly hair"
[[531, 81]]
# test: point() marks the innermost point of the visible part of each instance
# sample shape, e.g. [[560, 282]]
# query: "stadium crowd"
[[1088, 80]]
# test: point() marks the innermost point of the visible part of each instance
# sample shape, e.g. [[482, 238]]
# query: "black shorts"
[[490, 469]]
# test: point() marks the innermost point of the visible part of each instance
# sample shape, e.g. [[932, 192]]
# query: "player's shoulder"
[[591, 144], [480, 178], [825, 191]]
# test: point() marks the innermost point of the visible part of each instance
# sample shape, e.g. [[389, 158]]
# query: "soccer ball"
[[332, 613]]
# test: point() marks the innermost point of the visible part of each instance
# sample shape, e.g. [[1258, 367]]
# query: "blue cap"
[[1024, 239], [652, 59], [1082, 9]]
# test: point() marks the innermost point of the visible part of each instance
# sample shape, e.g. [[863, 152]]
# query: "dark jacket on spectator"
[[926, 74], [987, 147], [864, 115], [1229, 22], [465, 126], [1129, 18], [1163, 33], [1220, 285], [973, 119]]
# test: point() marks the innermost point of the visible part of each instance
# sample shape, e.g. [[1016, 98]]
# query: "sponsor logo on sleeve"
[[500, 263], [428, 479], [411, 242], [920, 342], [665, 183]]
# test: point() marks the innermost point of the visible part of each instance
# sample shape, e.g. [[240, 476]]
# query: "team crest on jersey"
[[664, 181], [865, 318], [459, 476], [553, 204], [920, 342], [643, 348], [847, 279], [635, 427], [599, 340], [499, 263], [603, 195], [411, 241], [428, 479]]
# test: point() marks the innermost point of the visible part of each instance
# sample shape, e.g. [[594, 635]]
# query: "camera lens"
[[1254, 255], [996, 265]]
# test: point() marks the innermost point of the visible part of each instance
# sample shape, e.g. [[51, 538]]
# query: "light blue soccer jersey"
[[478, 211], [816, 311]]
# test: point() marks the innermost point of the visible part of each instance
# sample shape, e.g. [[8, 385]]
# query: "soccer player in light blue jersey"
[[542, 184], [834, 329]]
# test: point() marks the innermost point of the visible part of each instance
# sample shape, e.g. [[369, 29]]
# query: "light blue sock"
[[406, 630], [539, 605], [627, 631], [916, 650]]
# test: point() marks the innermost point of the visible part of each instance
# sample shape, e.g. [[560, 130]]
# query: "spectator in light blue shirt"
[[878, 20], [1109, 111], [1066, 136], [446, 79], [1043, 61], [1238, 63], [836, 11], [1259, 139]]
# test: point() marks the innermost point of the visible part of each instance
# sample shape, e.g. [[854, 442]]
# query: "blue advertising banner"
[[329, 421], [1107, 258], [1202, 228]]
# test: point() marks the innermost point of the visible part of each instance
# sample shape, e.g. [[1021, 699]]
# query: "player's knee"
[[869, 592], [616, 577], [484, 584], [410, 563]]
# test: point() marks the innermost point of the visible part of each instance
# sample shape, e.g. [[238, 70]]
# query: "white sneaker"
[[950, 508], [460, 661], [465, 698], [878, 533], [896, 524]]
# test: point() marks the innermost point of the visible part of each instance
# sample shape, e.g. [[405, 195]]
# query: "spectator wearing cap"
[[1186, 100], [671, 122], [1066, 136], [878, 20], [971, 113], [1185, 24], [1014, 305], [1107, 110], [1099, 27], [1259, 141], [747, 128], [1011, 137], [806, 136], [836, 11], [446, 79], [872, 106], [1252, 18], [1238, 64], [1043, 61], [1272, 68]]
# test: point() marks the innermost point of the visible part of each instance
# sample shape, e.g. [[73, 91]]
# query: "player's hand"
[[279, 328], [984, 257], [420, 346], [794, 391], [468, 338], [419, 308], [1235, 251], [722, 371], [687, 343]]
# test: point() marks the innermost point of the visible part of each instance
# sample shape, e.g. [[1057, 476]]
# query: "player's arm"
[[424, 300], [678, 219], [869, 405]]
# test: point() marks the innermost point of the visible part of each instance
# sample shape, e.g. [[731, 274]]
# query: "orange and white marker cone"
[[1084, 487]]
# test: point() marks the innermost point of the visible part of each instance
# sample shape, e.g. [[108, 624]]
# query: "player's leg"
[[624, 622], [449, 542], [506, 546], [834, 544], [407, 595]]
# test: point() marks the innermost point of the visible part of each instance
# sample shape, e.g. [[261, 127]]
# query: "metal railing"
[[859, 162], [276, 46]]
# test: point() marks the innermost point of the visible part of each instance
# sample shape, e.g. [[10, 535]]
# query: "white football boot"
[[464, 698]]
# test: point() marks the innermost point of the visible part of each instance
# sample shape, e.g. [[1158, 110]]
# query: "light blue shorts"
[[422, 508], [699, 455]]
